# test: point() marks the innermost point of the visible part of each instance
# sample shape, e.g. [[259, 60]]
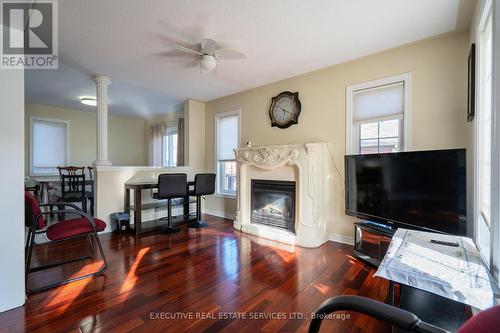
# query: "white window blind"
[[226, 141], [49, 146], [383, 102], [227, 137]]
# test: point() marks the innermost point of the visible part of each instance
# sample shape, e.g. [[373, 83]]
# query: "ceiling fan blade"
[[208, 45], [230, 55], [175, 54], [192, 63], [185, 49]]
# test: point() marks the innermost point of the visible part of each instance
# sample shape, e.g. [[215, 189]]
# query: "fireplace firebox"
[[273, 203]]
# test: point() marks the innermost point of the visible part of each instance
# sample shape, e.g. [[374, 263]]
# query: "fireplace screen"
[[273, 203]]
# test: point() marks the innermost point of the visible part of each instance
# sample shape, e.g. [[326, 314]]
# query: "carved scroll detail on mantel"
[[267, 158]]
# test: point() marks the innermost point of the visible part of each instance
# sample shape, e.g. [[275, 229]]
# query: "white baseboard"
[[341, 239], [217, 213]]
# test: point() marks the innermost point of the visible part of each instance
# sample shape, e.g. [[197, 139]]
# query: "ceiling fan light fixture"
[[89, 101], [208, 62]]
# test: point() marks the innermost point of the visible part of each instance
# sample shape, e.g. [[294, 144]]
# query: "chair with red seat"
[[82, 226]]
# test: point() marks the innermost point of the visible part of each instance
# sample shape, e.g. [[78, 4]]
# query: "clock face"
[[285, 110]]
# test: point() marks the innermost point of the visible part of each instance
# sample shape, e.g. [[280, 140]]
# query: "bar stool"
[[170, 186], [204, 184]]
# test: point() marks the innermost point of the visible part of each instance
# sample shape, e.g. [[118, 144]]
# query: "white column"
[[102, 119]]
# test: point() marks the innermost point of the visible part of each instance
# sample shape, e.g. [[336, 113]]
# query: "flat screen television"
[[422, 189]]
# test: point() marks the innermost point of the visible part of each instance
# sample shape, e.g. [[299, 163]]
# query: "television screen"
[[424, 189]]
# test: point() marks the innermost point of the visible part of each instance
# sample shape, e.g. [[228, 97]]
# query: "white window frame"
[[352, 130], [491, 256], [237, 112], [495, 144], [33, 119]]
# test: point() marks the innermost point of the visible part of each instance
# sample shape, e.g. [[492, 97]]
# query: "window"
[[170, 139], [483, 138], [227, 139], [377, 116], [48, 145], [380, 137]]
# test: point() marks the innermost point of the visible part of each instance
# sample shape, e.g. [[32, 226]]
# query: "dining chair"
[[82, 226], [73, 190], [90, 193], [71, 170], [204, 184], [91, 172], [74, 186], [35, 189], [171, 186]]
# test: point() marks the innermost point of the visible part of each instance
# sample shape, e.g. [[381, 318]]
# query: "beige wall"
[[438, 107], [195, 135], [127, 138], [167, 117]]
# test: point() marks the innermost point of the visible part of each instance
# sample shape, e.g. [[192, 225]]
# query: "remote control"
[[444, 243]]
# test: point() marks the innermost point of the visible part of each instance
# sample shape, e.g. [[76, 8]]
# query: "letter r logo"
[[27, 27]]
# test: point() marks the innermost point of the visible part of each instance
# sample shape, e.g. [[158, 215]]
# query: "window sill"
[[226, 196], [44, 175]]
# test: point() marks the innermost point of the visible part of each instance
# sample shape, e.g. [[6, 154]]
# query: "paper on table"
[[457, 273]]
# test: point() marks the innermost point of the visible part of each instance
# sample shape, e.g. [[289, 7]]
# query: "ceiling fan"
[[210, 53]]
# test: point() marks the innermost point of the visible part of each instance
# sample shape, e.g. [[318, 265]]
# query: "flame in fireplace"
[[275, 208]]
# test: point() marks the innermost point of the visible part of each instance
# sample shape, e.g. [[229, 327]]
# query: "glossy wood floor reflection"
[[198, 281]]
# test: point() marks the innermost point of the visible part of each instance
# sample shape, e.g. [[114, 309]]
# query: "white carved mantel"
[[308, 165]]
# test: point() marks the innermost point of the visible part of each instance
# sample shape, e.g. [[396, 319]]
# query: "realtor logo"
[[29, 34]]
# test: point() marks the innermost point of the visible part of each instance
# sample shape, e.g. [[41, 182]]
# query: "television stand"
[[371, 241]]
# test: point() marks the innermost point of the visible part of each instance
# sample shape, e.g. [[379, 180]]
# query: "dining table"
[[47, 182]]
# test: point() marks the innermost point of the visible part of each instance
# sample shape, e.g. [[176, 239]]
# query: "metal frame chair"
[[385, 312], [35, 222]]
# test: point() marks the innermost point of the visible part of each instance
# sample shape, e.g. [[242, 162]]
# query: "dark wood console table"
[[138, 206]]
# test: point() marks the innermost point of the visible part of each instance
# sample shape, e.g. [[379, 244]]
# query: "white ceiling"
[[128, 40]]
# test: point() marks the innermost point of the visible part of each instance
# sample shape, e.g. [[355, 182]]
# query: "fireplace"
[[273, 203], [301, 176]]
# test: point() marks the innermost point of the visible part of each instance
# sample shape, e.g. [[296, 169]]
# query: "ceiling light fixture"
[[208, 62], [89, 101]]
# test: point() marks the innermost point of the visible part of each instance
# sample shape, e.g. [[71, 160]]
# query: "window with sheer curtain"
[[170, 140], [227, 139], [376, 116], [48, 145], [166, 144]]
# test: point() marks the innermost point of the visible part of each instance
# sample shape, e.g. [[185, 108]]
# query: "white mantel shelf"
[[306, 164]]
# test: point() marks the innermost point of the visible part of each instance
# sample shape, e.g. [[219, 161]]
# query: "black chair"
[[74, 186], [204, 184], [385, 312], [73, 190], [171, 186], [90, 194]]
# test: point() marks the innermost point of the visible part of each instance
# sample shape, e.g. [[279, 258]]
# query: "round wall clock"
[[285, 109]]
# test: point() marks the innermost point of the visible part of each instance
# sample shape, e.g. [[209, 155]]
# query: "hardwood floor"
[[197, 281]]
